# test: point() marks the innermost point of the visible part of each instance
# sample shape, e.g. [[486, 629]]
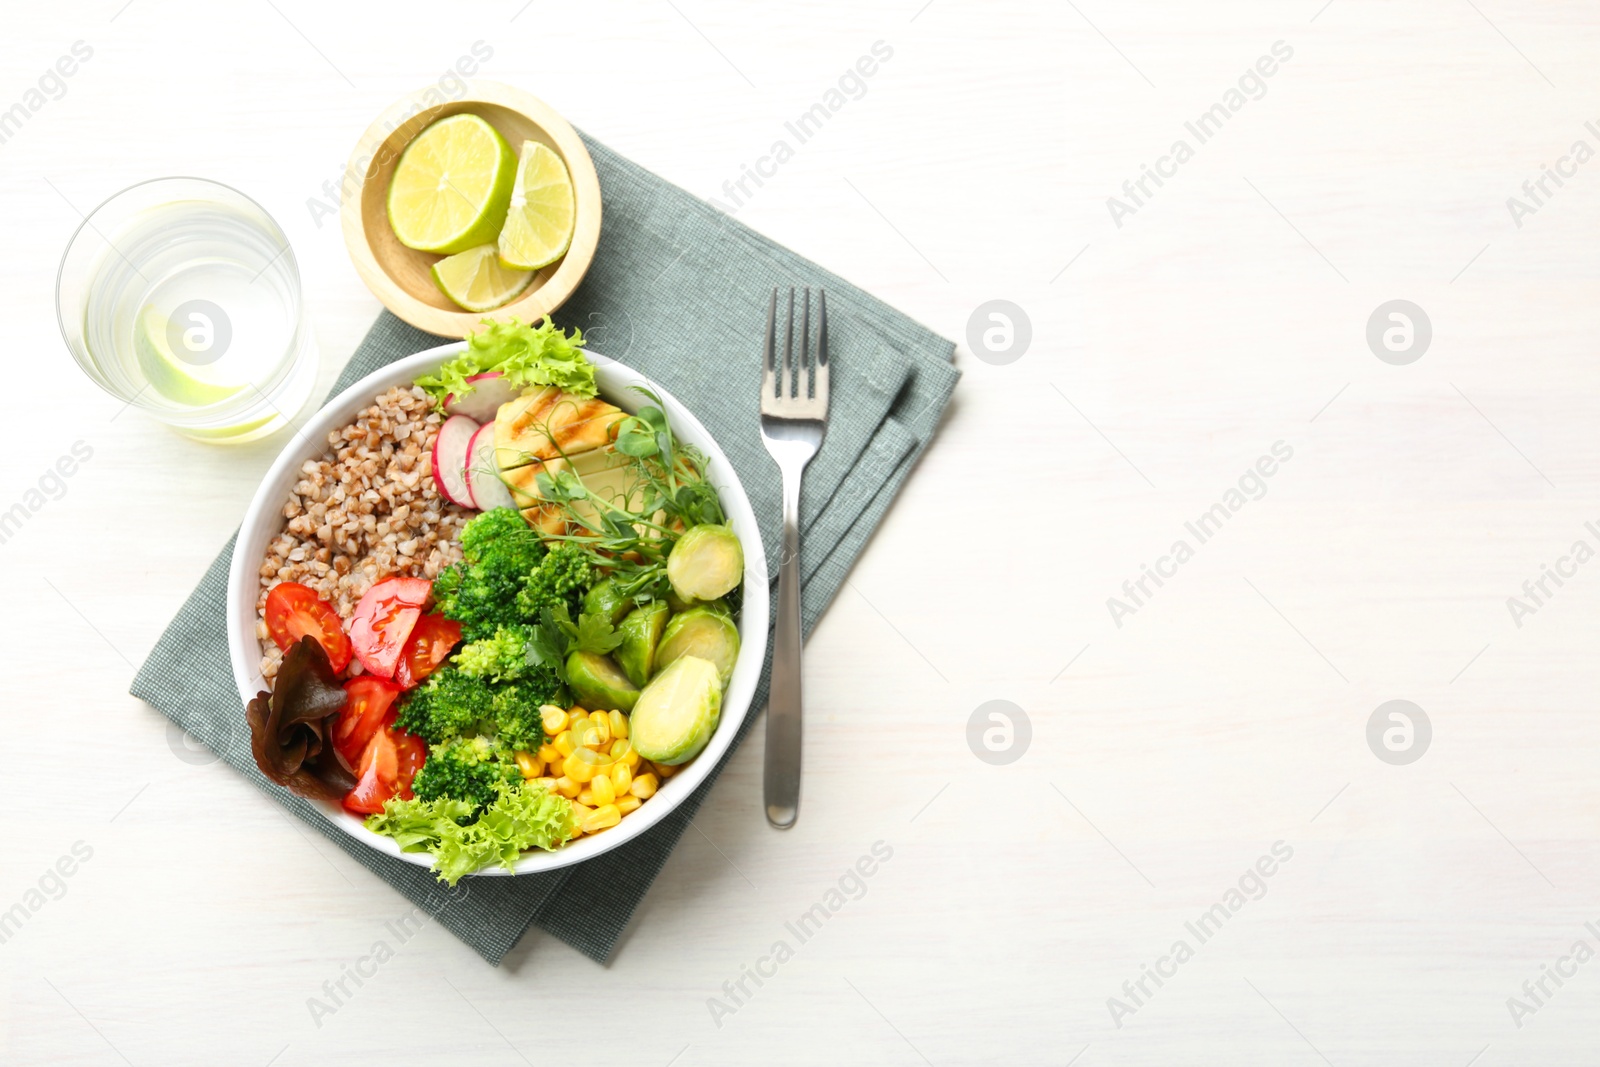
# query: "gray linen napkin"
[[678, 290]]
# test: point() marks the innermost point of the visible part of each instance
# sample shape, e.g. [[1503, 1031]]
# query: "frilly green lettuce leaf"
[[523, 815], [540, 354]]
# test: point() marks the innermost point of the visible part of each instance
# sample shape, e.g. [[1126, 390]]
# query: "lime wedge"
[[452, 186], [477, 281], [178, 380], [538, 227]]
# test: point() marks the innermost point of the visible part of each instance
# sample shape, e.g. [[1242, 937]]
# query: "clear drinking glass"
[[181, 296]]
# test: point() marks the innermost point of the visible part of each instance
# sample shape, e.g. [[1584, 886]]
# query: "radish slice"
[[488, 393], [451, 447], [483, 473]]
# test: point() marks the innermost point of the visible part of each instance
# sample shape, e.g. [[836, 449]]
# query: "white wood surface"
[[1229, 713]]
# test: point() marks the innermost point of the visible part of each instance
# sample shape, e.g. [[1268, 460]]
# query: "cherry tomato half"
[[370, 699], [383, 622], [431, 641], [295, 610], [389, 763]]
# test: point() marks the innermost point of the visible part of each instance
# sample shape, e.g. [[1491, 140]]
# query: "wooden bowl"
[[399, 276]]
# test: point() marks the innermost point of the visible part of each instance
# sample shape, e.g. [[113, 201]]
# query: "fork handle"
[[782, 772]]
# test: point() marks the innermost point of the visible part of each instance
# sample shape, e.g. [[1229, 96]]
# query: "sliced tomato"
[[370, 699], [430, 644], [388, 764], [295, 610], [383, 622]]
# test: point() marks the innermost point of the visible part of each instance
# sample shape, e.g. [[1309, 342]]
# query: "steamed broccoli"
[[453, 703], [502, 657], [564, 571], [499, 552], [447, 705], [465, 769]]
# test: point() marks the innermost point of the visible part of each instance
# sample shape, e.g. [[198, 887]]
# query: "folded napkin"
[[679, 291]]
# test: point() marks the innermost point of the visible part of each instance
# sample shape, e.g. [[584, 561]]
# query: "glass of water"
[[181, 296]]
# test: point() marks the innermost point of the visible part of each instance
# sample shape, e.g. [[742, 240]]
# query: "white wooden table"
[[1228, 712]]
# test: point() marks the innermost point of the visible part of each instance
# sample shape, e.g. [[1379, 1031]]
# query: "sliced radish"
[[451, 447], [488, 393], [483, 473]]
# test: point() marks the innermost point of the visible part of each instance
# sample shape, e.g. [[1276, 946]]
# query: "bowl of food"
[[484, 205], [499, 608]]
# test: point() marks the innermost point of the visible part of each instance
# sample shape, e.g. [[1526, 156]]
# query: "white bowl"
[[264, 521]]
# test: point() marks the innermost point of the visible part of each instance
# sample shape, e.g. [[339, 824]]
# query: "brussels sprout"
[[677, 712], [598, 684], [605, 599], [707, 562], [641, 630], [707, 632]]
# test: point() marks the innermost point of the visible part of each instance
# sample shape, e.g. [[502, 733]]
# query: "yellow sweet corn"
[[601, 818], [554, 719], [665, 770], [564, 743], [628, 804], [621, 777], [622, 752], [600, 730], [567, 787], [619, 724], [548, 783], [529, 764], [603, 789], [586, 798], [581, 765], [644, 786], [551, 754]]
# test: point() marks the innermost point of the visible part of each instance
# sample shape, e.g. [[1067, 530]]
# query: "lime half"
[[538, 227], [452, 186], [477, 281], [181, 381]]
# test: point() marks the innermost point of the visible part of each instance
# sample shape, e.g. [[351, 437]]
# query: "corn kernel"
[[576, 711], [551, 754], [621, 777], [644, 786], [600, 728], [665, 770], [567, 787], [586, 798], [564, 743], [619, 724], [601, 818], [529, 764], [578, 723], [548, 783], [603, 789], [581, 765], [553, 718], [628, 804]]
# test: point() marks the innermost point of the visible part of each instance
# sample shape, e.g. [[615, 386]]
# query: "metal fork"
[[794, 417]]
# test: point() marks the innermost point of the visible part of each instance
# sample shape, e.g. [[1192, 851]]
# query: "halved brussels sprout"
[[598, 684], [641, 630], [707, 562], [677, 712], [707, 632], [605, 599]]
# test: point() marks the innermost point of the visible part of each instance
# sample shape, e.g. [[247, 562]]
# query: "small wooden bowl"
[[399, 276]]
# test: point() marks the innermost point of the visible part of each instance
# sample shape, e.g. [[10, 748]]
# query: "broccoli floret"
[[447, 705], [492, 532], [465, 769], [564, 571], [453, 703], [503, 657], [518, 724], [499, 552]]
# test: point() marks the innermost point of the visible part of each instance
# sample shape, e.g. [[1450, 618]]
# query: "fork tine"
[[787, 378], [820, 368], [802, 370], [769, 353]]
